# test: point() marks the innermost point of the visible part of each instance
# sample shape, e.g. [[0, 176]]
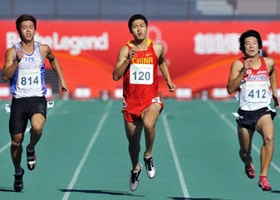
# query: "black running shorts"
[[23, 109], [249, 119]]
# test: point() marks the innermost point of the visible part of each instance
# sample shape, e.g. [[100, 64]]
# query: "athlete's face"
[[139, 29], [27, 30], [251, 46]]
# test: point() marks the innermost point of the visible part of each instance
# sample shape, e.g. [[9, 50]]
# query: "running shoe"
[[264, 184], [134, 181], [150, 166], [250, 170], [31, 159], [18, 184]]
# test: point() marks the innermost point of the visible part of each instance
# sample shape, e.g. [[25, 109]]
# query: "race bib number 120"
[[141, 74]]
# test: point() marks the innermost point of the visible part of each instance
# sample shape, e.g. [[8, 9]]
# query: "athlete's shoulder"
[[43, 45], [11, 50], [237, 65], [44, 49], [269, 61], [158, 48]]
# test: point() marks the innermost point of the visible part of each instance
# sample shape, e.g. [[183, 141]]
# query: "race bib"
[[141, 74], [257, 92], [29, 78]]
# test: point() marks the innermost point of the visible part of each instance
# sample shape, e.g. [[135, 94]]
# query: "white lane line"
[[175, 157], [5, 147], [231, 125], [49, 112], [89, 147]]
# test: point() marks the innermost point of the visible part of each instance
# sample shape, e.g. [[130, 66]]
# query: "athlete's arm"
[[123, 61], [10, 64], [55, 65], [237, 72], [273, 80], [159, 49]]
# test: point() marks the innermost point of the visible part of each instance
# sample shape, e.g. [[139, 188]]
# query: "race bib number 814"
[[29, 78]]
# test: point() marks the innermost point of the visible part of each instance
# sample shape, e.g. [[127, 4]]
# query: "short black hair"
[[135, 17], [249, 33], [25, 17]]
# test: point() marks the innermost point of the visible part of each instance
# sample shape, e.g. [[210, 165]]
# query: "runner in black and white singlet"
[[29, 77], [253, 80], [24, 68]]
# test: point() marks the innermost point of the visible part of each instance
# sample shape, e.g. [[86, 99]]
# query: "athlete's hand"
[[171, 86], [19, 55], [276, 101], [131, 52], [64, 87], [248, 63]]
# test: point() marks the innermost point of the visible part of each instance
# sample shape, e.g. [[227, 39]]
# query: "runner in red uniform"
[[137, 63]]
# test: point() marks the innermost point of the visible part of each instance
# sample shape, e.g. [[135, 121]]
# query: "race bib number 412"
[[257, 91], [141, 74]]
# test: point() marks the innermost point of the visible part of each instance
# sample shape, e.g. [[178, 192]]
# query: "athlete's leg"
[[37, 124], [245, 141], [133, 133], [266, 128], [149, 116], [17, 126], [16, 150]]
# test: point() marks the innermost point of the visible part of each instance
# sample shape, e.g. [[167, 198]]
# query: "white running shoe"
[[134, 181], [150, 167]]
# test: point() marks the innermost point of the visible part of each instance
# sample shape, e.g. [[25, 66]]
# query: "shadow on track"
[[108, 192]]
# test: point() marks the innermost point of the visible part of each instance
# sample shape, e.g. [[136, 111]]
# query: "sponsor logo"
[[261, 72], [257, 78], [74, 44]]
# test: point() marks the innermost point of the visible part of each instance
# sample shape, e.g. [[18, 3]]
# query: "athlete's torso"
[[141, 78], [29, 80], [254, 90]]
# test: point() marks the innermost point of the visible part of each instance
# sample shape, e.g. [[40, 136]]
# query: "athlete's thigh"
[[151, 113], [265, 125], [18, 118], [133, 130], [37, 105], [245, 136], [38, 121]]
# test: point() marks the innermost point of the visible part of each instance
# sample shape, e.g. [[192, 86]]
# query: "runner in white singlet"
[[253, 80], [24, 68]]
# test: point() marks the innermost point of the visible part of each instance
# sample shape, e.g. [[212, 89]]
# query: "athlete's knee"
[[134, 146], [268, 139], [16, 144], [243, 153], [37, 130], [149, 123], [133, 141]]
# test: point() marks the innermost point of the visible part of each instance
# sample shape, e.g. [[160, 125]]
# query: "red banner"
[[199, 53]]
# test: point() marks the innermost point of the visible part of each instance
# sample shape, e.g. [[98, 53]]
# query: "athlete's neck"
[[141, 44], [27, 47]]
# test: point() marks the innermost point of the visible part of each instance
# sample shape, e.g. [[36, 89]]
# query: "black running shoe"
[[150, 167], [134, 181], [18, 184], [31, 159]]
